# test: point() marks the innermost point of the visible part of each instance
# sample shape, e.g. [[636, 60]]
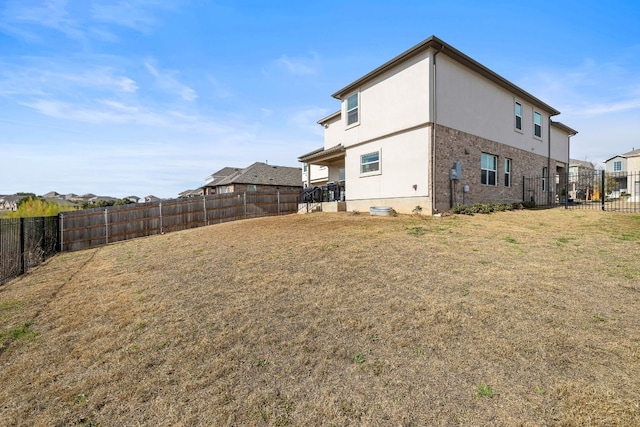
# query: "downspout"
[[566, 178], [434, 121], [549, 162]]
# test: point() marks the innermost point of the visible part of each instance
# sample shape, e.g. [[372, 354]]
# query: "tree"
[[32, 206]]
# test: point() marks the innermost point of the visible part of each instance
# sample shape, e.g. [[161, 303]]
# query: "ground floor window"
[[507, 172], [370, 162], [488, 169]]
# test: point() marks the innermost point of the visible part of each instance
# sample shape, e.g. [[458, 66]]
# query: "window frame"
[[508, 164], [348, 110], [517, 126], [617, 166], [486, 173], [545, 171], [377, 171], [536, 126]]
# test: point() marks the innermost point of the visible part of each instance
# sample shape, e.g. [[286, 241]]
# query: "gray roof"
[[435, 43], [581, 163], [631, 153], [264, 174]]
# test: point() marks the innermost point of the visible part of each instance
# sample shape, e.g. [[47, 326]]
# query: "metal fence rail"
[[607, 191], [25, 243]]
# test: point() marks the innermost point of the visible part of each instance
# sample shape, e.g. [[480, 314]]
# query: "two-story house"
[[256, 177], [581, 180], [434, 128], [624, 171]]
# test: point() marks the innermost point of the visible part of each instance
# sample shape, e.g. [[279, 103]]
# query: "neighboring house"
[[132, 199], [581, 180], [212, 180], [198, 192], [9, 203], [152, 198], [314, 175], [624, 170], [434, 128], [257, 177]]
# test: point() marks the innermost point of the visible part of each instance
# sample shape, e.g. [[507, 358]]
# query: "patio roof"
[[323, 156]]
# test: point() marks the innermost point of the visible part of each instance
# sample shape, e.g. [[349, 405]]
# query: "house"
[[581, 180], [434, 128], [198, 192], [623, 171], [257, 177], [9, 202]]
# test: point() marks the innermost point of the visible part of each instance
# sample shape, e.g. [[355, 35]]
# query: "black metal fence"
[[607, 191], [25, 243]]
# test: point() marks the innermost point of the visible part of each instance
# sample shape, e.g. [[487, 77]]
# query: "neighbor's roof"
[[435, 43], [583, 163], [263, 174], [631, 153]]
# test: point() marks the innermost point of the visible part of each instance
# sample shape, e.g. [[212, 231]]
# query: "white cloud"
[[167, 81], [298, 66]]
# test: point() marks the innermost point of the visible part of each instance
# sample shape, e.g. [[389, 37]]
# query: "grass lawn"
[[525, 318]]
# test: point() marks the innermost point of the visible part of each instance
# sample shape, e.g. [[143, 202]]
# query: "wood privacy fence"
[[94, 227], [25, 243]]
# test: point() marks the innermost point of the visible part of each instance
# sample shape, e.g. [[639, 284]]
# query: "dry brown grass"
[[334, 319]]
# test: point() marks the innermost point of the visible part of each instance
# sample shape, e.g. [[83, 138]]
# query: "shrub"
[[483, 208]]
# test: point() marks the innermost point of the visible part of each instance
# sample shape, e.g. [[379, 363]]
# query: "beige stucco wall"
[[394, 102], [404, 163], [560, 145], [475, 105]]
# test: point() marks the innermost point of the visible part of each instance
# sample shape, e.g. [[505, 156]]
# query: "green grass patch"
[[19, 333], [485, 390]]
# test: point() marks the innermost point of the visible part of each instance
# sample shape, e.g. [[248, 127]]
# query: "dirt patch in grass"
[[519, 318]]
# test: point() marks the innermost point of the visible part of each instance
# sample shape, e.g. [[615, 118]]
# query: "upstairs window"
[[537, 124], [518, 113], [617, 166], [488, 169], [507, 172], [370, 163], [352, 109]]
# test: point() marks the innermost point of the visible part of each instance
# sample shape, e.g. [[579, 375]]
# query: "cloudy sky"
[[142, 97]]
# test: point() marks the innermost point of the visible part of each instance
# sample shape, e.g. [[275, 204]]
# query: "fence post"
[[602, 190], [278, 202], [161, 225], [61, 233], [204, 208], [106, 227], [523, 189], [244, 202], [22, 244]]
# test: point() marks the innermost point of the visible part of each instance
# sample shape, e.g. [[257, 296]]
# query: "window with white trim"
[[352, 109], [617, 166], [518, 115], [370, 163], [507, 172], [488, 169], [544, 179], [537, 124]]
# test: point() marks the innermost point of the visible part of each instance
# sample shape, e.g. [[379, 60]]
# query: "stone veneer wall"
[[457, 146]]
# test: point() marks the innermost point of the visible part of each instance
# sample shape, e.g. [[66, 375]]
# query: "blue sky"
[[142, 97]]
